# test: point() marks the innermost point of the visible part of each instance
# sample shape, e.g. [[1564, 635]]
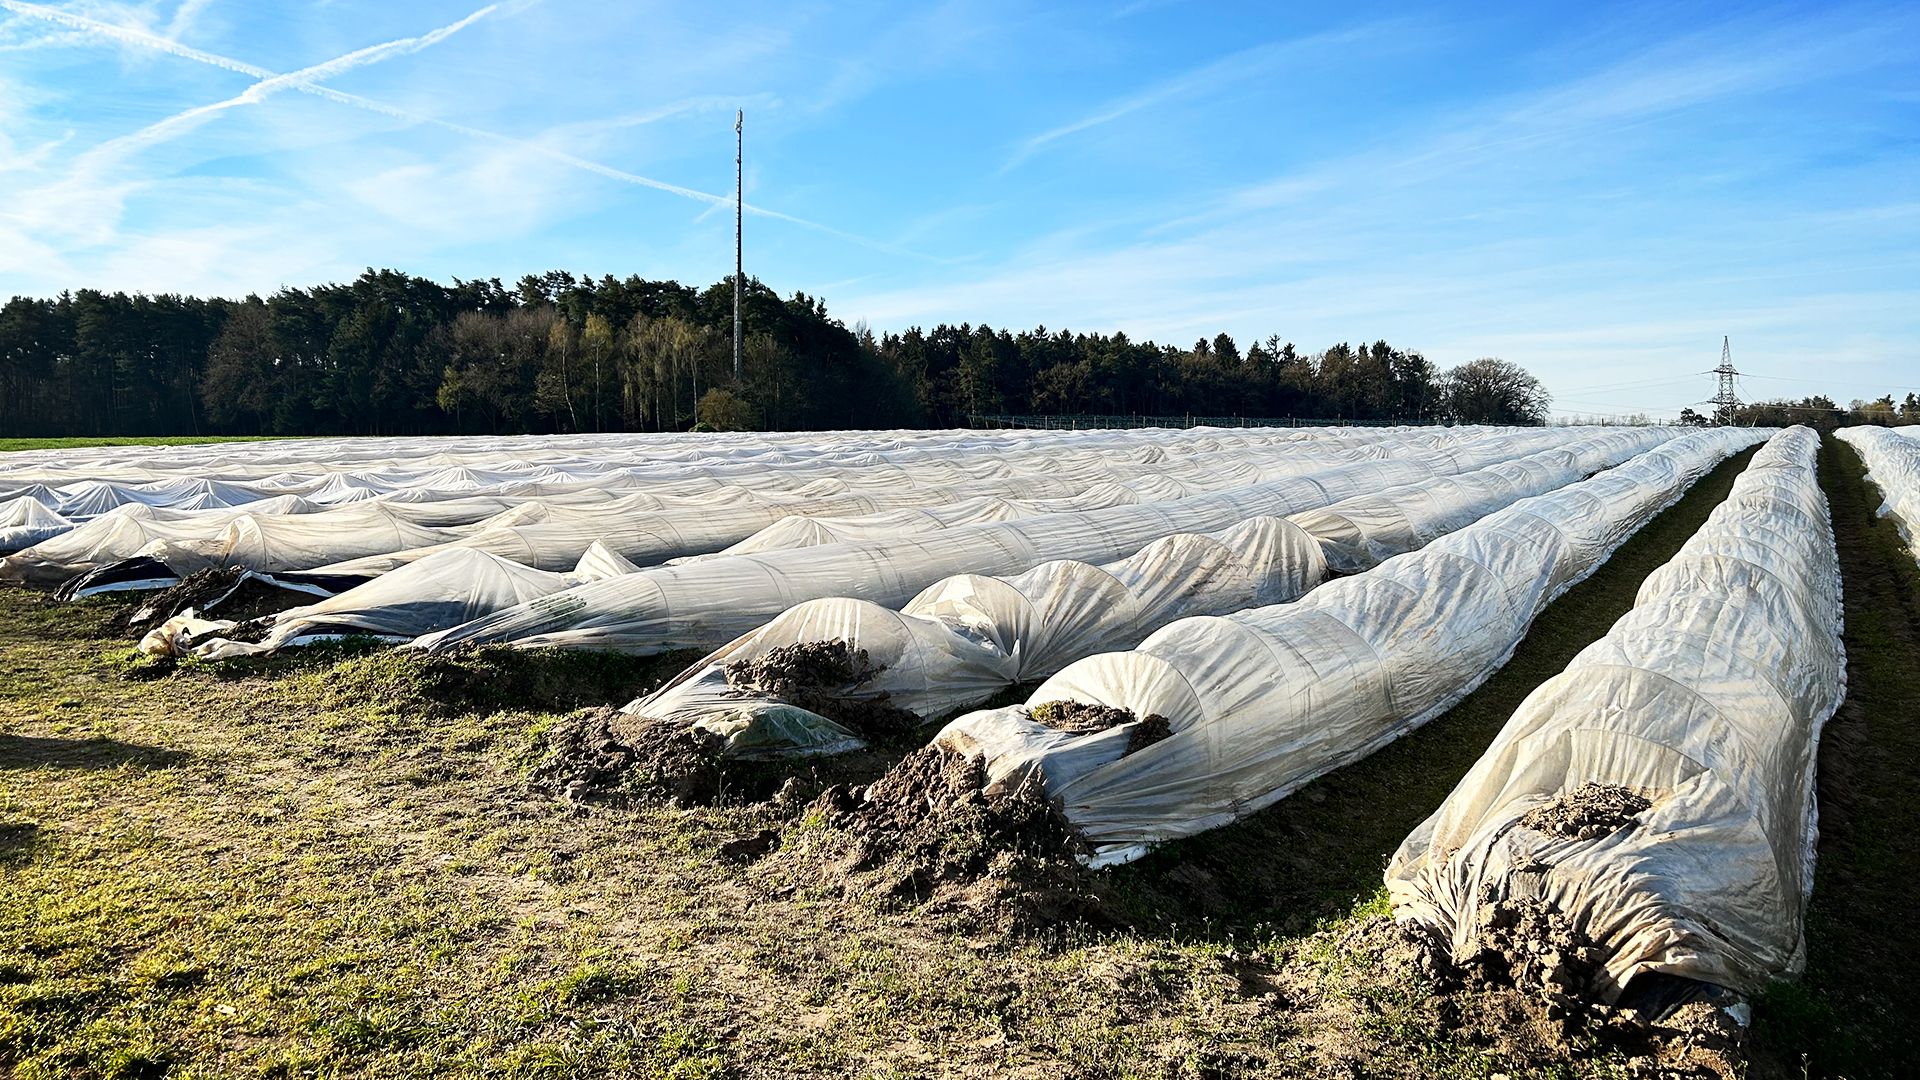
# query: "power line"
[[1827, 382]]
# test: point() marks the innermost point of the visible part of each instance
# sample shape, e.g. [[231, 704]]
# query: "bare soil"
[[600, 756], [929, 833], [825, 677], [1588, 812]]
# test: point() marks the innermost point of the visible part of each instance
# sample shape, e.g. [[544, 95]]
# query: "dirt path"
[[1855, 1014]]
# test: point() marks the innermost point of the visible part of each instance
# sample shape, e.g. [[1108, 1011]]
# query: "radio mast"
[[739, 218]]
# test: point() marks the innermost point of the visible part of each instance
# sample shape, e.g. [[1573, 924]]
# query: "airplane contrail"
[[143, 39], [161, 130]]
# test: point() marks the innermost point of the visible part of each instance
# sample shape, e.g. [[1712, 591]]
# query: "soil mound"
[[600, 756], [1084, 718], [808, 665], [1329, 985], [824, 677], [216, 593], [1151, 730], [1588, 812], [930, 833], [1079, 717], [1524, 942]]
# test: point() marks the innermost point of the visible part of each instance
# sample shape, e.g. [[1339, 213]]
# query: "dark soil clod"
[[824, 677], [599, 756], [1588, 812], [809, 665], [1085, 718], [1079, 717], [930, 832], [1526, 943], [1151, 729]]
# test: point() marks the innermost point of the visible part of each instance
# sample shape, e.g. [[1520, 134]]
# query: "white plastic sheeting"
[[26, 521], [648, 530], [444, 589], [381, 607], [656, 515], [86, 482], [1262, 701], [1892, 457], [706, 603], [965, 638], [1707, 699]]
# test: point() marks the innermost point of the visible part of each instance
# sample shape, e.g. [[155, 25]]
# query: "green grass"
[[129, 440], [1854, 1013]]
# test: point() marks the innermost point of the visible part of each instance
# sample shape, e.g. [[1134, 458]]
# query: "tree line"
[[1820, 412], [394, 354]]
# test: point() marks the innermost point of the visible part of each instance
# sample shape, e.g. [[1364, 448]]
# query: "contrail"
[[162, 130], [131, 36]]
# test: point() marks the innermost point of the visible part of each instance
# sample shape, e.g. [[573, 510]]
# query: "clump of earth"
[[600, 756], [932, 833], [1085, 718], [825, 677], [1587, 812]]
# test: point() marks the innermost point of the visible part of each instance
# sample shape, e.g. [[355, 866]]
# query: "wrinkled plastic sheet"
[[192, 524], [965, 638], [1707, 699], [1264, 700], [704, 604]]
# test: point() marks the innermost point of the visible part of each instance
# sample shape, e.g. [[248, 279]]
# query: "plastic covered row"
[[1264, 700], [83, 483], [414, 599], [1657, 797], [1892, 457], [968, 637], [373, 536], [706, 603], [650, 532]]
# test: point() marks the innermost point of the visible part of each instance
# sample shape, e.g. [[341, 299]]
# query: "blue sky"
[[1597, 192]]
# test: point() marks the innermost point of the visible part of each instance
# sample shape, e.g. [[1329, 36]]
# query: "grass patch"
[[496, 677], [78, 442], [1853, 1014]]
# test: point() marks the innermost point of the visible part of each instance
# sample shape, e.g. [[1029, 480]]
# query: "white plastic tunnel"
[[1262, 701], [1707, 701]]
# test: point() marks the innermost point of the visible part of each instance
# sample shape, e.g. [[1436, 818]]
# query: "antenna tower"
[[739, 217], [1726, 401]]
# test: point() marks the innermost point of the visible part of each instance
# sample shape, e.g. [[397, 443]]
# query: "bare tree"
[[1492, 391]]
